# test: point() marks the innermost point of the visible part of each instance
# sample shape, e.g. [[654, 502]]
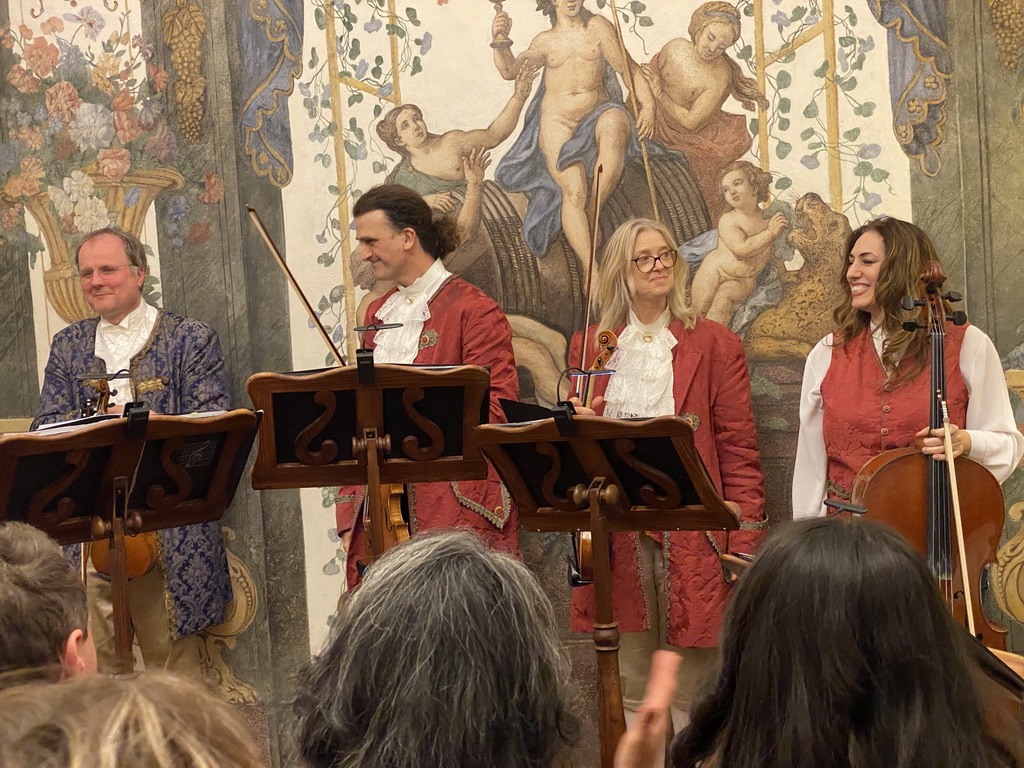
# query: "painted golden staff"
[[630, 83]]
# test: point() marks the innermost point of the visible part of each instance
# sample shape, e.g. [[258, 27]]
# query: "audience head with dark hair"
[[399, 233], [155, 720], [44, 623], [446, 654], [837, 650]]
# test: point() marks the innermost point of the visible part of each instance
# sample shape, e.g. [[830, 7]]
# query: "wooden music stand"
[[369, 425], [139, 473], [602, 475]]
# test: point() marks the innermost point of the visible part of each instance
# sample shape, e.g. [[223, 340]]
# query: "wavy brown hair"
[[907, 251]]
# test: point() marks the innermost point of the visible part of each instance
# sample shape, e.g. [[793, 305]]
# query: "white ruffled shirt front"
[[410, 306], [644, 377], [118, 343]]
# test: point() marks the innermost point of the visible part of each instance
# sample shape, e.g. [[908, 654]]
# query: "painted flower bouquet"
[[86, 117]]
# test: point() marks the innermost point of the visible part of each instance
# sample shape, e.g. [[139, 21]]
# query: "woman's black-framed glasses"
[[646, 263]]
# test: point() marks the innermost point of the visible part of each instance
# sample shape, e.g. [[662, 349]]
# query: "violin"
[[387, 522], [951, 511], [581, 571], [142, 550], [581, 564]]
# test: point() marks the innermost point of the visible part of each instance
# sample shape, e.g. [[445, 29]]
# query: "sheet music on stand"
[[602, 475], [124, 476]]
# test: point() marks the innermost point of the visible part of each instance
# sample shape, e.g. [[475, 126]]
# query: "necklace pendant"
[[648, 338]]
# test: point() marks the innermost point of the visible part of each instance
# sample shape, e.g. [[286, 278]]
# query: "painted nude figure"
[[575, 53], [728, 275], [435, 165], [691, 80]]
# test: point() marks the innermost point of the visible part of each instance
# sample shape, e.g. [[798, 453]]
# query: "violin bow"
[[947, 441], [631, 84], [258, 223], [593, 258]]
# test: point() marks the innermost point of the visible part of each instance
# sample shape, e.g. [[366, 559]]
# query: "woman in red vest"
[[668, 589], [866, 385]]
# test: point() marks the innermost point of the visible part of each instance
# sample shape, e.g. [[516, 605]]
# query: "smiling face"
[[111, 285], [864, 267], [737, 190], [410, 128], [715, 39], [384, 247], [653, 286]]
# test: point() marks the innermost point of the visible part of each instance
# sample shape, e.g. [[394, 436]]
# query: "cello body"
[[890, 486]]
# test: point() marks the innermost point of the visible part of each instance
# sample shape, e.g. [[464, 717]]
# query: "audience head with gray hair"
[[44, 623], [446, 654]]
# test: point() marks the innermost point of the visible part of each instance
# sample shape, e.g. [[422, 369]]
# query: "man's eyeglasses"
[[106, 270], [646, 263]]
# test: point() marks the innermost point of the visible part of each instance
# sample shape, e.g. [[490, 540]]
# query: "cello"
[[950, 511]]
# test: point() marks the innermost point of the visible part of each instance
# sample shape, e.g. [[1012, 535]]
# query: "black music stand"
[[607, 475], [139, 473], [369, 425]]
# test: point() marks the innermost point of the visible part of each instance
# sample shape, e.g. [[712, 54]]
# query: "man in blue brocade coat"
[[172, 364]]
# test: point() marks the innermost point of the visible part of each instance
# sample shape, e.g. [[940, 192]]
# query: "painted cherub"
[[728, 275]]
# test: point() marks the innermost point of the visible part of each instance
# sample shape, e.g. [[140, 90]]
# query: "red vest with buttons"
[[864, 416]]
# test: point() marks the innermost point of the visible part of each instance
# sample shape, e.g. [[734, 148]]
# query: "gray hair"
[[42, 599], [133, 247], [446, 654]]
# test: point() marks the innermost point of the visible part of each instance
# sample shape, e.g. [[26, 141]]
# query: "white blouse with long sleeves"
[[995, 440]]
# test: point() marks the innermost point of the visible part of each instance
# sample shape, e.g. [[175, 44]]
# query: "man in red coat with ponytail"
[[444, 321]]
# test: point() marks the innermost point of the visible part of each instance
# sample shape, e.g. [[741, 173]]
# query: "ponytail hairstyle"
[[406, 209]]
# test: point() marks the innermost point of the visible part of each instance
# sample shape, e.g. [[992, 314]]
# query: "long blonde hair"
[[907, 251], [613, 294]]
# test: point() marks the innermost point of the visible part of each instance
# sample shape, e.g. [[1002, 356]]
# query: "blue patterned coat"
[[178, 370]]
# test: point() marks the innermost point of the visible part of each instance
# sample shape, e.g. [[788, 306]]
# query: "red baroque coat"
[[465, 327], [711, 385]]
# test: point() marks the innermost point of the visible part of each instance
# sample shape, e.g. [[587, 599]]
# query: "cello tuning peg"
[[909, 303], [912, 325], [958, 318], [953, 296]]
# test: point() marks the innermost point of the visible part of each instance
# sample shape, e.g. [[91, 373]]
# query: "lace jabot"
[[410, 306], [642, 383], [118, 343]]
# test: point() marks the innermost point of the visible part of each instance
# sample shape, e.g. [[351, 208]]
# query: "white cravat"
[[410, 306], [642, 383], [117, 343]]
